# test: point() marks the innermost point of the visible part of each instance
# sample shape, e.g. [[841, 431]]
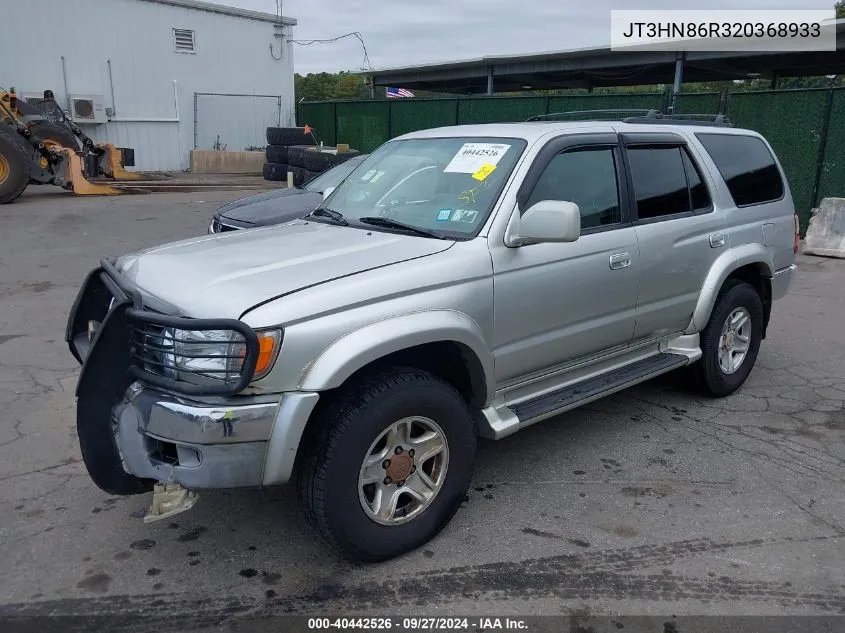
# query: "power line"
[[366, 65]]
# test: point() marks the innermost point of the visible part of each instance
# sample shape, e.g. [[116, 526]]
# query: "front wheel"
[[387, 463], [731, 340]]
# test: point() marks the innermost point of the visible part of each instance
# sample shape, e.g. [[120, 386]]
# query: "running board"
[[582, 392]]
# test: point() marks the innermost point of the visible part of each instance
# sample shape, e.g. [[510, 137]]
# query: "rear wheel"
[[55, 135], [731, 340], [14, 169], [386, 463]]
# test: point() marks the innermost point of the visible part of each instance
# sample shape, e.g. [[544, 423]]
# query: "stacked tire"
[[307, 162], [279, 140]]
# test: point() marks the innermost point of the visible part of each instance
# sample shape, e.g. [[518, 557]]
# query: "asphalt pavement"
[[655, 501]]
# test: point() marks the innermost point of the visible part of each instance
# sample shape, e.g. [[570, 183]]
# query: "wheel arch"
[[447, 343], [749, 263]]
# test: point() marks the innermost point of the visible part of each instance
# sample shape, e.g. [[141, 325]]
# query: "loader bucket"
[[80, 185], [111, 166]]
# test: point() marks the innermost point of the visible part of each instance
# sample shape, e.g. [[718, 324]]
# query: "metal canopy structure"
[[601, 67]]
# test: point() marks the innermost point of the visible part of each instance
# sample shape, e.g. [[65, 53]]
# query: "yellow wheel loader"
[[39, 145]]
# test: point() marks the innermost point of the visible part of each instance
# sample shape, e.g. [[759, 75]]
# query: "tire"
[[300, 176], [342, 157], [289, 136], [275, 171], [342, 435], [57, 134], [277, 153], [15, 168], [296, 155], [735, 298], [317, 161]]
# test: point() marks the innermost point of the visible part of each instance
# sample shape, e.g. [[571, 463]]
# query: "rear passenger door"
[[680, 233]]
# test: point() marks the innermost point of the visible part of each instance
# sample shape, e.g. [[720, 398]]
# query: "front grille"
[[109, 327], [218, 227]]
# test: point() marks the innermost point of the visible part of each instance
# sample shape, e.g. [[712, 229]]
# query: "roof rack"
[[615, 115], [713, 120], [638, 116]]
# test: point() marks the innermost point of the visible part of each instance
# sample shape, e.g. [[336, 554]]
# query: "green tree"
[[840, 9]]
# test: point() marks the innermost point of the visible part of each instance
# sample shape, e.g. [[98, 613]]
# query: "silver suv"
[[461, 282]]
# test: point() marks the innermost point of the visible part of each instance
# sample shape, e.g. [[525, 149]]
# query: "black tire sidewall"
[[343, 510], [275, 171], [296, 155], [19, 168], [45, 130], [289, 136], [277, 154], [710, 375]]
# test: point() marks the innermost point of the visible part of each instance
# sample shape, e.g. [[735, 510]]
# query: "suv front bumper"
[[156, 428], [210, 445]]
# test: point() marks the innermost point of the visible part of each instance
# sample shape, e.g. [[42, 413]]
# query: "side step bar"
[[593, 388]]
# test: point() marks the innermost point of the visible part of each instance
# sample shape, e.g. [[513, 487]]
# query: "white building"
[[155, 71]]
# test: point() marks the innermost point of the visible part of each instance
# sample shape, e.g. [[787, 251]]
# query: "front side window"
[[446, 186], [586, 177], [747, 166]]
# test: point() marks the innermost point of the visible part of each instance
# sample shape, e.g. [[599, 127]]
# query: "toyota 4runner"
[[461, 282]]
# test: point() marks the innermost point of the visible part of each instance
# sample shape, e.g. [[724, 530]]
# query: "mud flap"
[[102, 385]]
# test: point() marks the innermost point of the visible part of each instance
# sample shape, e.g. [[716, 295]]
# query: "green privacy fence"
[[805, 127]]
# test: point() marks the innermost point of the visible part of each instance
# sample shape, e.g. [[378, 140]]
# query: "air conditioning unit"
[[88, 108]]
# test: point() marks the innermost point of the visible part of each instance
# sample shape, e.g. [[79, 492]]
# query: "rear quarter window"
[[747, 166]]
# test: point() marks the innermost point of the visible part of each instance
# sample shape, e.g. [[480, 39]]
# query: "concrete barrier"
[[826, 233], [209, 161]]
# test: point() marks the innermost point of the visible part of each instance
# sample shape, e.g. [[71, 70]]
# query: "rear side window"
[[746, 165], [666, 182]]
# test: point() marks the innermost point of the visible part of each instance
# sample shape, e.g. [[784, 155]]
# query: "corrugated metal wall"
[[232, 56]]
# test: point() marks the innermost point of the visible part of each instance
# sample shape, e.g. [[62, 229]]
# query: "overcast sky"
[[405, 32]]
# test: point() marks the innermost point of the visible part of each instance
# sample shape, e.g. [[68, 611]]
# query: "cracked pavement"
[[654, 501]]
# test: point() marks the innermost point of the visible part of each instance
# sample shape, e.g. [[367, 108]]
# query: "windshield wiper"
[[335, 216], [395, 224]]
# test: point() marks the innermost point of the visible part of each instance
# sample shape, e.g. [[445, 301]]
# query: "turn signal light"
[[797, 242]]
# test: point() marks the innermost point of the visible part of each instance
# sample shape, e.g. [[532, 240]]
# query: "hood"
[[271, 207], [224, 275]]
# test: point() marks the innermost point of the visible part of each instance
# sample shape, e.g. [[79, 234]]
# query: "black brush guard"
[[117, 345]]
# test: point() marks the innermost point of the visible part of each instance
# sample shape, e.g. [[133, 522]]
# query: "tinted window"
[[747, 166], [699, 196], [660, 181], [587, 178]]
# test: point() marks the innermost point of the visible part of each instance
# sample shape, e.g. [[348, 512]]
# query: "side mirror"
[[327, 192], [547, 221]]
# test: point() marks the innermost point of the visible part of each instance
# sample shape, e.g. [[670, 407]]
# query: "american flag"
[[395, 93]]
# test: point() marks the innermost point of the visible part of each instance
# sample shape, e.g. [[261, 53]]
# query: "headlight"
[[216, 353]]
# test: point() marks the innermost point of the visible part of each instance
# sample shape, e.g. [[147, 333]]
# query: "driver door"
[[555, 303]]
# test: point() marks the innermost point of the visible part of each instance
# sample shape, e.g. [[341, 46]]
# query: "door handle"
[[717, 240], [620, 260]]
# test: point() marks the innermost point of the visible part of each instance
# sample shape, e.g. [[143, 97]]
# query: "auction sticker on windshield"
[[473, 156]]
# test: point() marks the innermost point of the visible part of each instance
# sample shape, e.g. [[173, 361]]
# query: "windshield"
[[333, 176], [446, 186]]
